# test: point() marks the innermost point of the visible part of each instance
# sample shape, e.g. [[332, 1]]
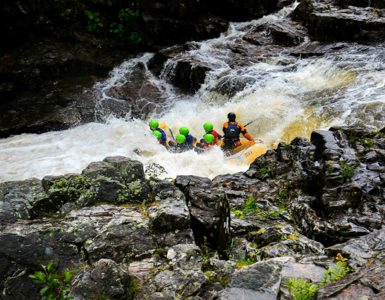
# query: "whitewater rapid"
[[285, 96]]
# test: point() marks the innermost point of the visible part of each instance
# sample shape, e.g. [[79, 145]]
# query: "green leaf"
[[44, 290]]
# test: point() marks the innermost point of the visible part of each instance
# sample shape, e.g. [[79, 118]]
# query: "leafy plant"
[[250, 205], [127, 26], [264, 170], [53, 286], [346, 170], [334, 273], [95, 20], [301, 289]]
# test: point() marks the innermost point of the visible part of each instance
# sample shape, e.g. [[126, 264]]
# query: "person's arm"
[[245, 133]]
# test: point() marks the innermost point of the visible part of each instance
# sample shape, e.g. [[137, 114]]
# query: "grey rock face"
[[322, 18], [17, 198], [104, 279], [209, 210]]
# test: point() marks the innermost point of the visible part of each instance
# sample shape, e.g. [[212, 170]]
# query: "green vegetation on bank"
[[300, 289], [125, 25], [53, 286]]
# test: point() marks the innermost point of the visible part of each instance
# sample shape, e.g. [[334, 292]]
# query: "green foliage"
[[53, 286], [127, 26], [367, 142], [334, 273], [250, 206], [214, 277], [95, 20], [264, 170], [239, 214], [301, 289], [346, 170], [243, 263]]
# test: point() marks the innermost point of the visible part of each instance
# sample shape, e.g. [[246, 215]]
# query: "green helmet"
[[154, 124], [209, 138], [157, 134], [180, 138], [208, 126], [184, 131]]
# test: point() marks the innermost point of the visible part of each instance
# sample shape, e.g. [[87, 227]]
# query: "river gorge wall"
[[54, 53]]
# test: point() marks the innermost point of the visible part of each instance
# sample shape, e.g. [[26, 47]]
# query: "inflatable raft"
[[247, 152]]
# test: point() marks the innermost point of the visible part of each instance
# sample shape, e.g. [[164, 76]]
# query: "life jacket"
[[190, 139], [216, 136], [163, 139], [231, 131]]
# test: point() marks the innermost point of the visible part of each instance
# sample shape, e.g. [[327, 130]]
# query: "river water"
[[287, 96]]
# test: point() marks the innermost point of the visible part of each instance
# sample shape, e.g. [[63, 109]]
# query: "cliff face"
[[287, 216]]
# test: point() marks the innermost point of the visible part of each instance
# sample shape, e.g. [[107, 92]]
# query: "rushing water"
[[286, 96]]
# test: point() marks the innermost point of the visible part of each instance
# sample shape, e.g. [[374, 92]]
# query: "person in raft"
[[154, 126], [232, 130], [207, 143], [181, 144], [190, 140], [209, 129]]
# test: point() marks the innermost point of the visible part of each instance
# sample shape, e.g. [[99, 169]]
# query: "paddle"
[[172, 135], [251, 122]]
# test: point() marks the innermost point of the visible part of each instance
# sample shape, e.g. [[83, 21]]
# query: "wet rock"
[[258, 281], [138, 94], [284, 33], [185, 256], [170, 218], [17, 199], [104, 279], [366, 282], [238, 11], [170, 213], [322, 18], [362, 250], [186, 74], [156, 63], [209, 210], [118, 180]]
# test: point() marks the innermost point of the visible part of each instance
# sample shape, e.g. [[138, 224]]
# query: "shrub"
[[53, 286], [346, 170], [300, 289], [95, 20], [250, 205]]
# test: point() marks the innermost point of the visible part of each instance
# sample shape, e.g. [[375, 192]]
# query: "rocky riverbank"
[[126, 236]]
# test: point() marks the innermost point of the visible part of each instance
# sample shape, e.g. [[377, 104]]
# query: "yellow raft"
[[247, 152]]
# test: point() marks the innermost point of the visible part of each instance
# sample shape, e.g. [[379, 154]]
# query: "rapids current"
[[287, 96]]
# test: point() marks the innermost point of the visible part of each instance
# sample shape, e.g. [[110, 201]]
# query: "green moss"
[[243, 263], [214, 277], [239, 214]]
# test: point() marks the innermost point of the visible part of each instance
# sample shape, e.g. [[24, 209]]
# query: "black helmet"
[[231, 117]]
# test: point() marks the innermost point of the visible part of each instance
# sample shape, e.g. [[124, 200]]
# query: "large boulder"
[[17, 198], [327, 21], [104, 279], [209, 210]]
